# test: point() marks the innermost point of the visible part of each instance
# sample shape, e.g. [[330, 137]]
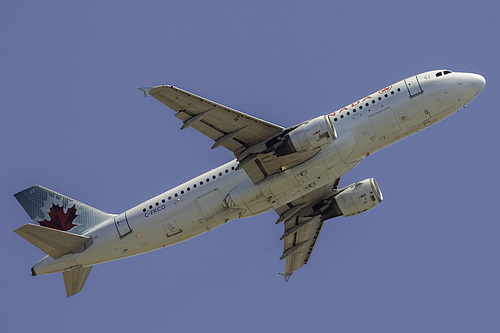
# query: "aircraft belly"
[[281, 188], [306, 177]]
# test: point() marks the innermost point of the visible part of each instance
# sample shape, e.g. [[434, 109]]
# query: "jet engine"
[[308, 136], [355, 199]]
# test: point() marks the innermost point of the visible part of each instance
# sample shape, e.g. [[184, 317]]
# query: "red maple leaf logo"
[[60, 220]]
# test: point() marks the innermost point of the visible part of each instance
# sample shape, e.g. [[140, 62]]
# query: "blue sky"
[[426, 259]]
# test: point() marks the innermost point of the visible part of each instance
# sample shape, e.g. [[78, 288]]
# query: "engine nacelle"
[[359, 197], [308, 136]]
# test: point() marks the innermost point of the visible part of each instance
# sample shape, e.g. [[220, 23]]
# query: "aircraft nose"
[[478, 82]]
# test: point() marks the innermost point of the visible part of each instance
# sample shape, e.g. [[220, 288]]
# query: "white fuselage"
[[201, 204]]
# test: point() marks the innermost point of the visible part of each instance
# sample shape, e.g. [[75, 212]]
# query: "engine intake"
[[308, 136]]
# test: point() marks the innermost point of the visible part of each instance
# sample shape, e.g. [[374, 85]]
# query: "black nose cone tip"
[[33, 273]]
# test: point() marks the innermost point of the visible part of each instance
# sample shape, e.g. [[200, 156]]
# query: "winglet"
[[146, 90], [286, 276]]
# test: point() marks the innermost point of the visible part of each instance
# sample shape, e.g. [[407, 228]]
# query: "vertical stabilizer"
[[75, 279], [53, 210]]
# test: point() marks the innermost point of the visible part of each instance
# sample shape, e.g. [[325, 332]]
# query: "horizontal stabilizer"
[[75, 279], [53, 242]]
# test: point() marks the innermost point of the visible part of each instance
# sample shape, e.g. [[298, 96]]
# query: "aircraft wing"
[[252, 140], [229, 128], [303, 224]]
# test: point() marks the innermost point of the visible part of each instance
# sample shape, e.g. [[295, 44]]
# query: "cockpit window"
[[438, 74]]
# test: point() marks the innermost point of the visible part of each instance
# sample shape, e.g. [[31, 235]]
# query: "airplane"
[[294, 171]]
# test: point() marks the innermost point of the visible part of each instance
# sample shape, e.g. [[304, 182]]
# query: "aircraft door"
[[122, 226], [413, 86]]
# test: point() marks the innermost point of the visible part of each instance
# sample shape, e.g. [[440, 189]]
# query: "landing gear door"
[[413, 86], [122, 226]]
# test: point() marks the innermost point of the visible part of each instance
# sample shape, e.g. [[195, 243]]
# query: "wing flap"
[[53, 242]]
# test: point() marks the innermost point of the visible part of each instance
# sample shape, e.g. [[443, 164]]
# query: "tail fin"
[[53, 210]]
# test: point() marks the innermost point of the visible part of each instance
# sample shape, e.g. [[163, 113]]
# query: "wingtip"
[[146, 90], [286, 276]]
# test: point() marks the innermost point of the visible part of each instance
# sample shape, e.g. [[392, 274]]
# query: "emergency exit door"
[[121, 224], [413, 86]]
